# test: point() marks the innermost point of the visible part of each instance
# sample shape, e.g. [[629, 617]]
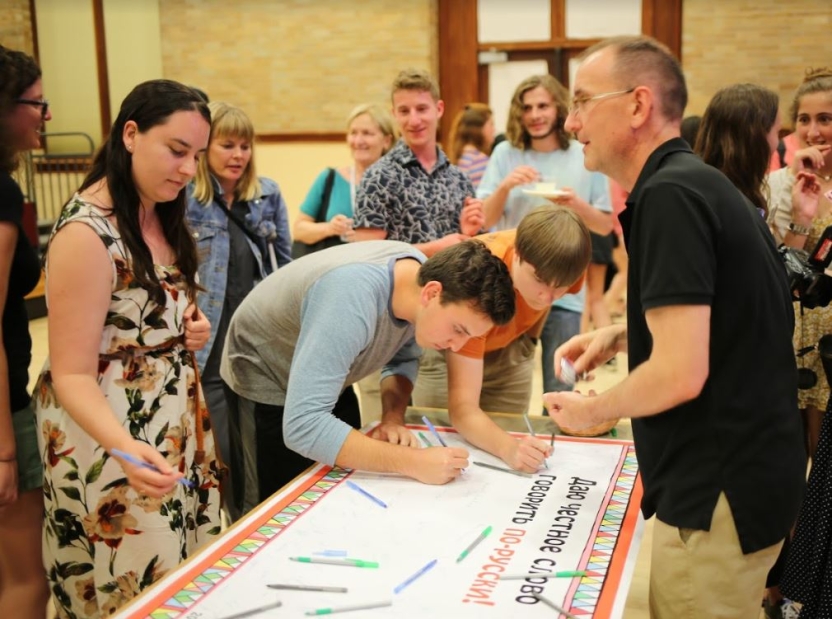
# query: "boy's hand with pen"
[[155, 478], [438, 465], [527, 454]]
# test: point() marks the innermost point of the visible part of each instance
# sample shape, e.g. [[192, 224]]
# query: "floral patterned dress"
[[103, 542]]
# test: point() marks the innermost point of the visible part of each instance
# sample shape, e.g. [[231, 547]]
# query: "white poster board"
[[580, 514]]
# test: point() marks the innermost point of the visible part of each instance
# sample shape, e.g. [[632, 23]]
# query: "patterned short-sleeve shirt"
[[412, 205]]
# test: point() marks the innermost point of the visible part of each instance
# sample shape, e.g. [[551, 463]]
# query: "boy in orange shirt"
[[547, 255]]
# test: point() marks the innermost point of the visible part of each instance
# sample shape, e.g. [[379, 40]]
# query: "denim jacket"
[[267, 220]]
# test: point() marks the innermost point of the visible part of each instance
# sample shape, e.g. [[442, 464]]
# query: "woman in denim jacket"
[[241, 227]]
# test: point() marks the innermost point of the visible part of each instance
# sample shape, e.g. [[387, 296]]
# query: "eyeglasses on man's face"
[[578, 104], [42, 103]]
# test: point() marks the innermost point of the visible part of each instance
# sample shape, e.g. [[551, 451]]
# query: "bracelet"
[[799, 230]]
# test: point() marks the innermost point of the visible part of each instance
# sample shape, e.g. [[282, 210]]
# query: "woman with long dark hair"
[[737, 134], [23, 589], [130, 475]]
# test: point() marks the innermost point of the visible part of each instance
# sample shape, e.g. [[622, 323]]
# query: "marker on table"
[[501, 468], [433, 431], [425, 439], [551, 604], [254, 611], [331, 553], [344, 609], [410, 580], [146, 465], [531, 431], [358, 488], [565, 574], [309, 588], [486, 532], [345, 561]]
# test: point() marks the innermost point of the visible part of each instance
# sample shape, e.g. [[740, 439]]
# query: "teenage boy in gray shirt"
[[313, 328]]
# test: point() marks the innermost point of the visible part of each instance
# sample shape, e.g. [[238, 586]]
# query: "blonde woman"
[[241, 228], [370, 134]]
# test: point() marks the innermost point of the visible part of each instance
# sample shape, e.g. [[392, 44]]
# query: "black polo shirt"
[[693, 239]]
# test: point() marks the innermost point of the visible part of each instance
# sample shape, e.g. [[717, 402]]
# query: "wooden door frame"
[[463, 80]]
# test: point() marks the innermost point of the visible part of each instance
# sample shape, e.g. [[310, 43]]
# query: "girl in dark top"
[[23, 589], [737, 135]]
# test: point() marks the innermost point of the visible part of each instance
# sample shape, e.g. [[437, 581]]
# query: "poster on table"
[[580, 514]]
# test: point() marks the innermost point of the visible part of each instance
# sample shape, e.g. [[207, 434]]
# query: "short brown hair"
[[515, 131], [467, 129], [470, 273], [642, 58], [415, 79], [556, 242]]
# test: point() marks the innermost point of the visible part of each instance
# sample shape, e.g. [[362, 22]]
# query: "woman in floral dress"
[[121, 279]]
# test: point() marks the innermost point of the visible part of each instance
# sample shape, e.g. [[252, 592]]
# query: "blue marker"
[[433, 431], [410, 580], [147, 465], [331, 553], [358, 488]]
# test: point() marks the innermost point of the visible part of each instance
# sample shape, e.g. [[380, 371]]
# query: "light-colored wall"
[[16, 25], [301, 65], [67, 59], [134, 46], [768, 42], [296, 66], [295, 165]]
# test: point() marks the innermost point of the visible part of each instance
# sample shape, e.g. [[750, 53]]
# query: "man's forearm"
[[493, 207], [652, 388], [363, 453], [597, 221], [478, 429]]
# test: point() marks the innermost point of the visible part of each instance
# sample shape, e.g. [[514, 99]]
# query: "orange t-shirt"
[[501, 245]]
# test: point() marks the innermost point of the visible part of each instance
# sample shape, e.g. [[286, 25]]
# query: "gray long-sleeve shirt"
[[314, 327]]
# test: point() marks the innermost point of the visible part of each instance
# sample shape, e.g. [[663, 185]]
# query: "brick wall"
[[296, 66], [16, 25], [768, 42]]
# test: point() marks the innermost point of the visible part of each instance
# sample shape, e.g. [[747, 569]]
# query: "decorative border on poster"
[[593, 593]]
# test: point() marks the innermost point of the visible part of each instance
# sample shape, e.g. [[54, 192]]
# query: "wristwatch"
[[798, 229]]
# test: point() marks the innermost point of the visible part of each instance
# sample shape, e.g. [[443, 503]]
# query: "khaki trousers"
[[369, 398], [697, 574], [506, 381]]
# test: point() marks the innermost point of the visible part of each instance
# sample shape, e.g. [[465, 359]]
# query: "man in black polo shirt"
[[712, 388]]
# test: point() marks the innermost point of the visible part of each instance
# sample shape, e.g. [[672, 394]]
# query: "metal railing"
[[49, 177]]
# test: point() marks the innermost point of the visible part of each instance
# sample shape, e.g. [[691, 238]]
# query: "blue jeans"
[[561, 325]]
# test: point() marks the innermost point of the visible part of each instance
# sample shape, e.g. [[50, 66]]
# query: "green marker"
[[565, 574], [613, 432], [344, 609], [473, 544], [425, 439], [335, 561]]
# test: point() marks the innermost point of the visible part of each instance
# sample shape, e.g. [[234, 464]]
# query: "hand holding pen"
[[147, 470]]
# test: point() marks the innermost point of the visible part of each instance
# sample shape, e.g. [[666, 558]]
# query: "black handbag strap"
[[242, 225], [324, 206]]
